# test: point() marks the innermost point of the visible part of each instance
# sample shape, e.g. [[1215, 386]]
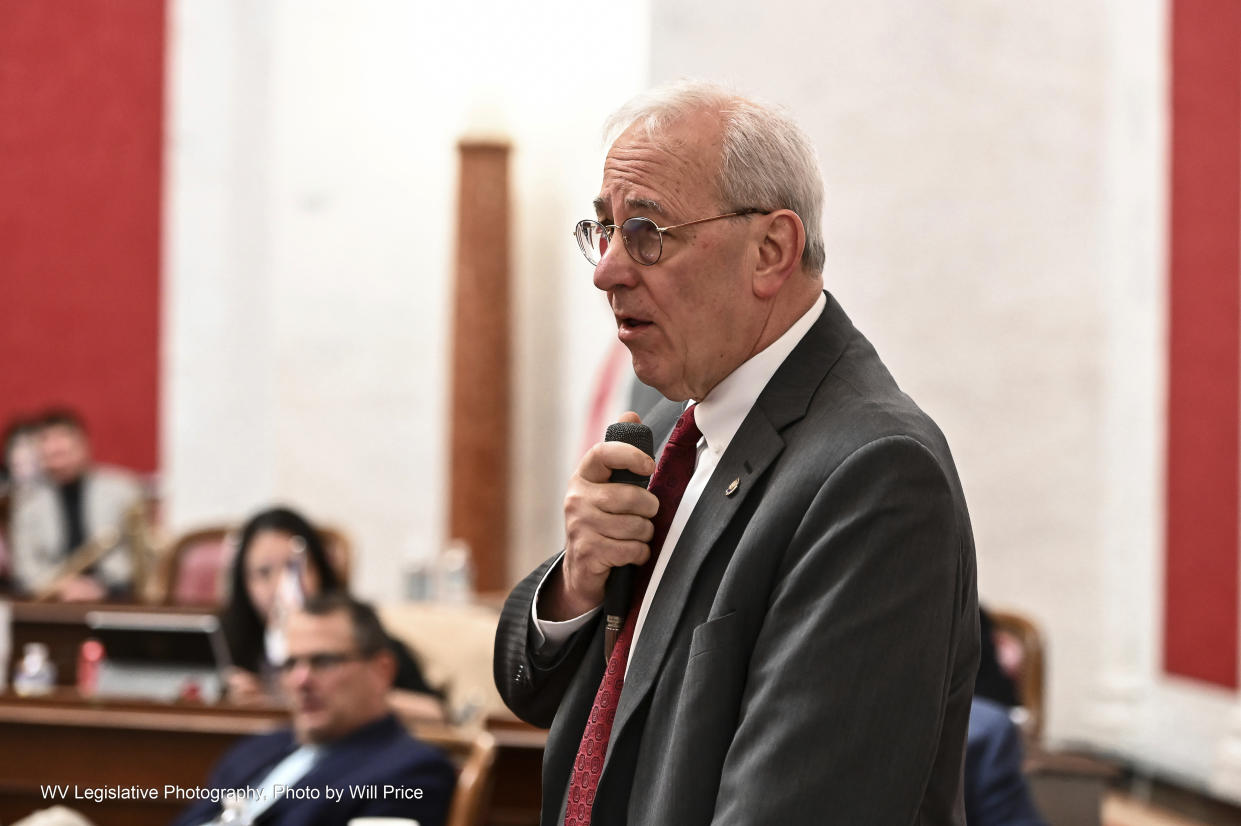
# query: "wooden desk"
[[518, 790], [62, 739]]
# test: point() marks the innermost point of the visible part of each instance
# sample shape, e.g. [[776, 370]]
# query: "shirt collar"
[[721, 413]]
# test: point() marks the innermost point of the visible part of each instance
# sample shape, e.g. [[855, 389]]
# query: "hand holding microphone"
[[619, 589], [607, 525]]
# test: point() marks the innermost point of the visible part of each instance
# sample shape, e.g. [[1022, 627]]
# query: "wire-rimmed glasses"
[[642, 237]]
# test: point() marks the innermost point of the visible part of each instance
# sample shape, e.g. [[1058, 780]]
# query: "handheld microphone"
[[619, 590]]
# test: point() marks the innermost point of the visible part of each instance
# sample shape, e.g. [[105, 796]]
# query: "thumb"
[[631, 417]]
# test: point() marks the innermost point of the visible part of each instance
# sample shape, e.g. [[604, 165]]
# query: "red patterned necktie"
[[672, 475]]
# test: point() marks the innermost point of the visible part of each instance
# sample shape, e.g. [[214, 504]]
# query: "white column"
[[1134, 255], [216, 445], [1226, 774]]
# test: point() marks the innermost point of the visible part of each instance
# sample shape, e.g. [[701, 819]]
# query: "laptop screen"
[[154, 655], [160, 639]]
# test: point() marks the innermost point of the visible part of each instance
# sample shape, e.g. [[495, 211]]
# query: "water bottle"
[[455, 575], [36, 674], [90, 663]]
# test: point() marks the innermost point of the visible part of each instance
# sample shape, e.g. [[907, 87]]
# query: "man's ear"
[[779, 251], [385, 665]]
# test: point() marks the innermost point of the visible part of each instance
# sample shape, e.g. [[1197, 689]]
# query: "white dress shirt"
[[244, 810], [718, 416]]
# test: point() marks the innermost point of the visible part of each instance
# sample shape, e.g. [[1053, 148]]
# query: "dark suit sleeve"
[[533, 686], [851, 671]]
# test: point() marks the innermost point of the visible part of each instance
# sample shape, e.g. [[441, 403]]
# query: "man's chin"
[[307, 729], [649, 374], [670, 391]]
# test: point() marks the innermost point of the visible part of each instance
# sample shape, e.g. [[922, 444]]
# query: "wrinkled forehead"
[[667, 175]]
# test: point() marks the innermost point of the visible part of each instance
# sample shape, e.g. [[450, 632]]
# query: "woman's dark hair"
[[242, 625]]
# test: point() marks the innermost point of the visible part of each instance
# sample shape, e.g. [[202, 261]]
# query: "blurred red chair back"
[[198, 567]]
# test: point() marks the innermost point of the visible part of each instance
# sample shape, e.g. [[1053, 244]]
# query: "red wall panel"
[[1201, 580], [81, 123]]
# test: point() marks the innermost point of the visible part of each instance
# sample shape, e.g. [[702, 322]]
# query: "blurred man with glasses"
[[346, 755], [801, 640]]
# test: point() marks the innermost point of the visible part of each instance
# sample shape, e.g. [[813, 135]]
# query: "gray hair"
[[767, 160]]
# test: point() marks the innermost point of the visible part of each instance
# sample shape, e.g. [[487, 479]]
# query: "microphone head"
[[632, 433]]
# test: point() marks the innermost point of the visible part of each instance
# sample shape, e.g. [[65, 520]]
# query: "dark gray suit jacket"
[[809, 656]]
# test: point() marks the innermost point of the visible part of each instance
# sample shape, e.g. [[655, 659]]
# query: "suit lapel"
[[711, 515], [753, 449]]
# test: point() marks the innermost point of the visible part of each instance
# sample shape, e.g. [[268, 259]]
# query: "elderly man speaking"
[[802, 636]]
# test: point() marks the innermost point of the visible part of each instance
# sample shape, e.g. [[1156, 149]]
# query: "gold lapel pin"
[[732, 486]]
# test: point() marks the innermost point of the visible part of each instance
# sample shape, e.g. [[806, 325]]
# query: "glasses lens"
[[642, 239], [318, 663], [592, 240]]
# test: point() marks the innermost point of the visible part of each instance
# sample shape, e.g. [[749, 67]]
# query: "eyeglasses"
[[643, 238], [321, 661]]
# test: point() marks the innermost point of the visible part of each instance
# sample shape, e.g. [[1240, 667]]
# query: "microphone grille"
[[632, 433]]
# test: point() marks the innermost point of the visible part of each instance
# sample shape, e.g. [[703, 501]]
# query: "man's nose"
[[299, 674], [616, 268]]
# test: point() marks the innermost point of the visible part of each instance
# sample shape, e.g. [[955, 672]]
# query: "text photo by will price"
[[372, 791]]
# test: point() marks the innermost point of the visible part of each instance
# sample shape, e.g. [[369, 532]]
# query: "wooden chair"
[[197, 567], [1019, 648], [474, 753], [1068, 788]]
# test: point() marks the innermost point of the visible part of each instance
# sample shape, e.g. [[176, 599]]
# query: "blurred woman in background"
[[279, 551]]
